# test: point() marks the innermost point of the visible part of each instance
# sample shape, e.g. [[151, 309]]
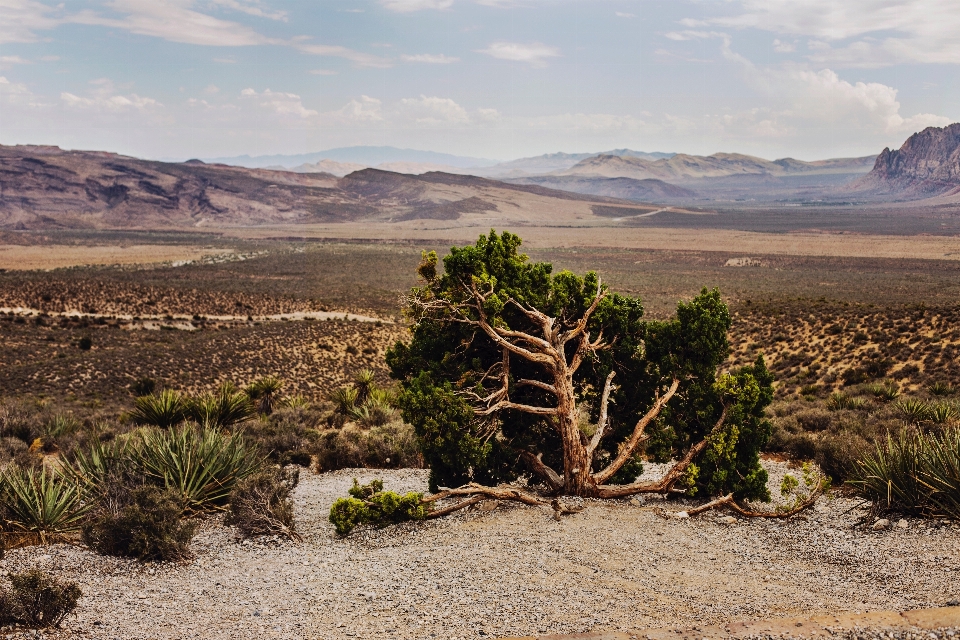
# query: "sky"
[[498, 79]]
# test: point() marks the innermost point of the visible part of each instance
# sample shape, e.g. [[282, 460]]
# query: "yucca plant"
[[222, 409], [164, 410], [856, 404], [373, 413], [941, 388], [838, 401], [200, 464], [889, 476], [885, 392], [345, 399], [40, 502], [90, 471], [60, 425], [944, 413], [913, 411], [265, 393], [365, 382], [941, 472]]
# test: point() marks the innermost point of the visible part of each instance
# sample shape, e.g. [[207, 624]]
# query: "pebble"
[[881, 525], [513, 571]]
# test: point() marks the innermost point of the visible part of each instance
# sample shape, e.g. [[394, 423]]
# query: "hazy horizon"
[[496, 79]]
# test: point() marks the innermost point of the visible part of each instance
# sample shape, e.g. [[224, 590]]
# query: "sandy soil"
[[512, 571], [52, 256], [747, 242]]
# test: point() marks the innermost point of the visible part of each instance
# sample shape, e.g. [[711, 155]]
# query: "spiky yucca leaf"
[[889, 475], [200, 464], [164, 410], [913, 411], [944, 413], [225, 408], [90, 471], [941, 472], [265, 393], [345, 398], [40, 502]]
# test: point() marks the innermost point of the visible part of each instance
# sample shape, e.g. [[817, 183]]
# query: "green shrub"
[[39, 502], [265, 394], [944, 413], [913, 411], [260, 504], [286, 437], [941, 388], [142, 522], [370, 504], [222, 409], [164, 410], [814, 419], [344, 399], [885, 392], [837, 453], [36, 599]]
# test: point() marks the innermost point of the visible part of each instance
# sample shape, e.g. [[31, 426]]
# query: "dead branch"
[[602, 422], [499, 493], [455, 507], [537, 465], [628, 448]]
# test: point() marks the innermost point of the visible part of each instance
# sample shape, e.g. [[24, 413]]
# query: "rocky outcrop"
[[928, 164]]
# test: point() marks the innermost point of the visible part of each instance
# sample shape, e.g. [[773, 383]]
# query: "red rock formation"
[[927, 164]]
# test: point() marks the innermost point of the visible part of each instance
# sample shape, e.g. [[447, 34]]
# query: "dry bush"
[[389, 446], [38, 600], [286, 436], [142, 522], [260, 505]]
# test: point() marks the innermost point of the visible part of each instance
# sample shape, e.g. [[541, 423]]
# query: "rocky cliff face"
[[928, 164]]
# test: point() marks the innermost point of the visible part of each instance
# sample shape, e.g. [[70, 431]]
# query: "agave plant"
[[264, 393], [225, 408], [200, 464], [838, 401], [913, 411], [164, 410], [90, 471], [60, 425], [373, 413], [40, 502]]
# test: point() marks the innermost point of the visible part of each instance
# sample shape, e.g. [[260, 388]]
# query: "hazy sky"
[[490, 78]]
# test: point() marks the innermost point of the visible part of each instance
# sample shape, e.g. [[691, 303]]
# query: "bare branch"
[[665, 484], [581, 325], [602, 422], [541, 469], [526, 408], [499, 493], [540, 385], [628, 448]]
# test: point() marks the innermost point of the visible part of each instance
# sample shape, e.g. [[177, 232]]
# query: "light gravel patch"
[[512, 571]]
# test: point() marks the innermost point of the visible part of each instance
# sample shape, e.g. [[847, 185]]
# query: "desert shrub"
[[373, 413], [913, 472], [370, 504], [85, 343], [885, 392], [389, 446], [37, 599], [943, 413], [941, 388], [344, 399], [164, 410], [142, 522], [286, 437], [814, 419], [837, 453], [201, 465], [21, 421], [143, 387], [260, 504], [39, 502], [10, 448], [365, 382]]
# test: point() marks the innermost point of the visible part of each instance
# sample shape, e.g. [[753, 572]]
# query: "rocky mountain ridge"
[[927, 164]]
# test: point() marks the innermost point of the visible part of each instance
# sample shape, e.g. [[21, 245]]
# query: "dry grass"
[[46, 257]]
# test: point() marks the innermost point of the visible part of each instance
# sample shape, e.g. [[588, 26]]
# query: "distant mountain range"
[[928, 164], [365, 156]]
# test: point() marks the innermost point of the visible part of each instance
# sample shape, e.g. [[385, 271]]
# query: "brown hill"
[[47, 187], [647, 190], [928, 164], [683, 167]]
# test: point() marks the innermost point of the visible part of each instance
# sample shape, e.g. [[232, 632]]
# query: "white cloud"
[[280, 103], [365, 110], [406, 6], [886, 31], [357, 57], [430, 58], [253, 9], [433, 111], [534, 53], [104, 97], [13, 60], [212, 89], [16, 93], [784, 47], [21, 19]]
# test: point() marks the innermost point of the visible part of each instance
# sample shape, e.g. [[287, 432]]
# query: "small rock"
[[681, 515], [902, 523], [727, 520], [881, 525], [637, 502]]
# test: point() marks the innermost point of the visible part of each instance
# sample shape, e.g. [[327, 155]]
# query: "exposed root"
[[478, 493]]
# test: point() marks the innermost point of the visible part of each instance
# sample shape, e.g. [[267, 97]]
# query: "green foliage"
[[365, 382], [142, 522], [913, 411], [163, 410], [913, 472], [370, 504], [447, 360], [222, 409], [941, 388], [260, 504], [344, 399], [629, 471], [200, 465], [265, 393], [143, 387], [886, 392], [37, 599], [390, 446], [39, 502]]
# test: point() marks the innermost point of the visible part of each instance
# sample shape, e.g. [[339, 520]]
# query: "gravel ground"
[[513, 570]]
